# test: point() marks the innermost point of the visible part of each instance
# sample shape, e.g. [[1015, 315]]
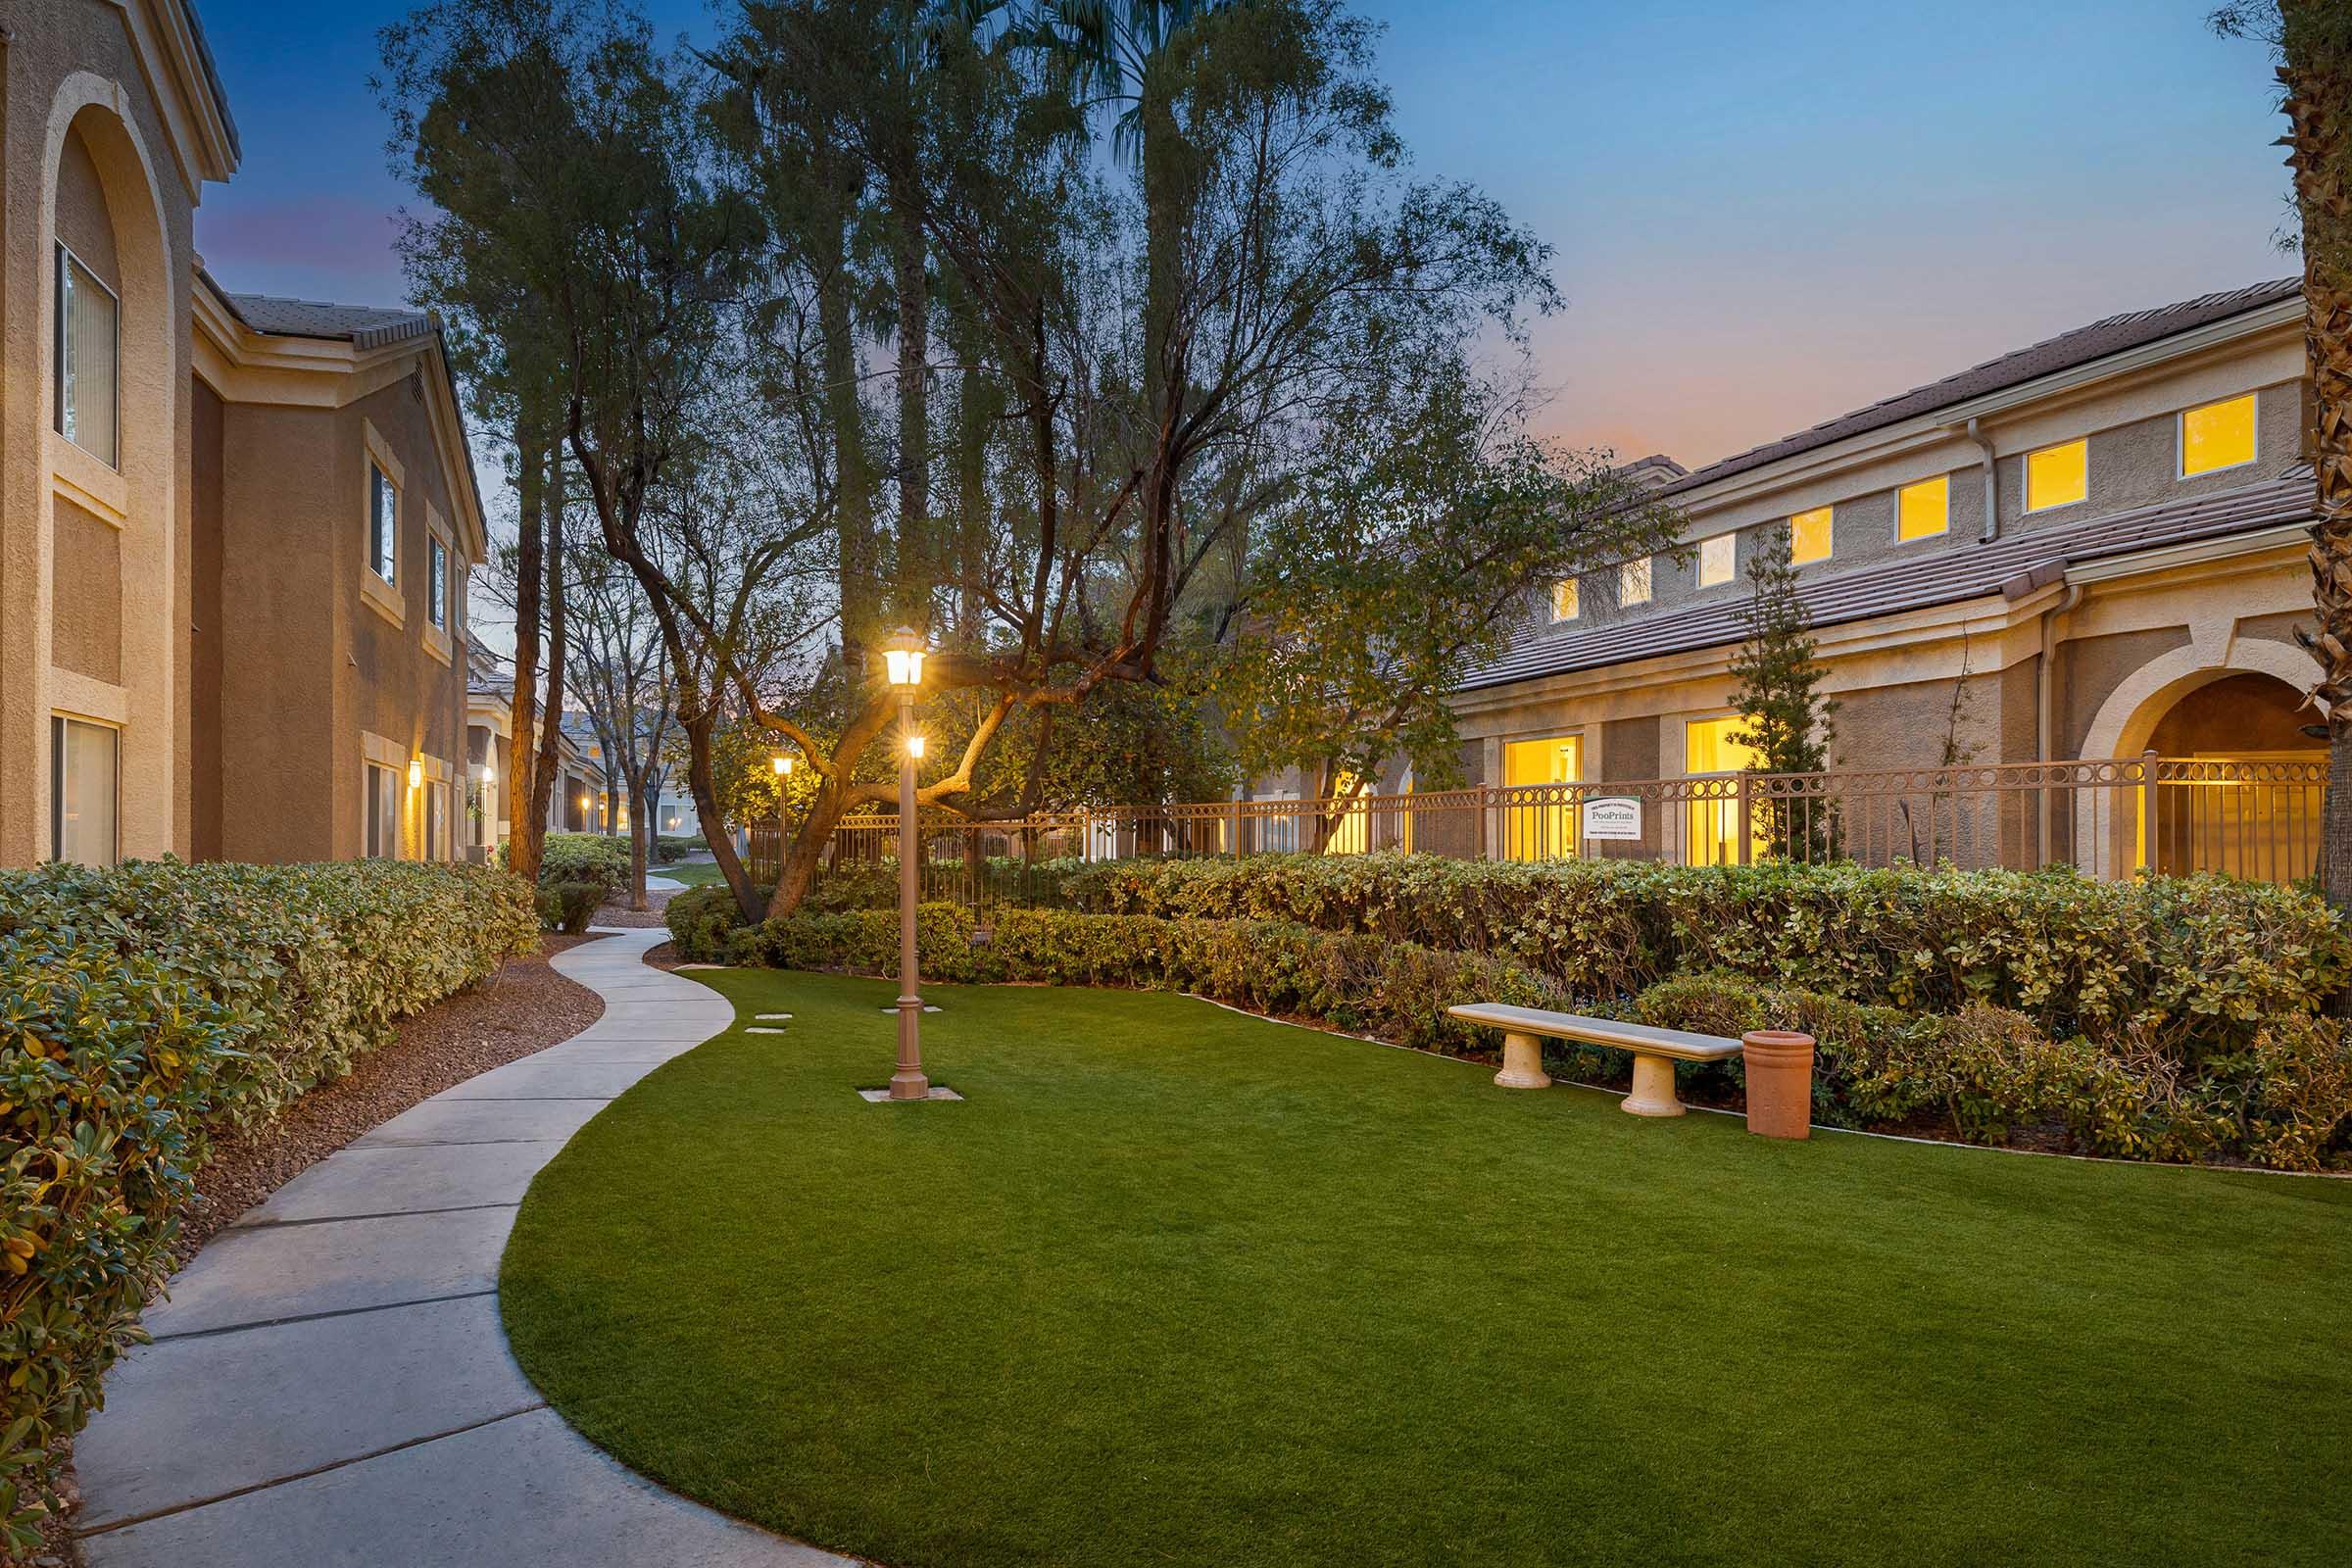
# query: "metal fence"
[[2109, 817]]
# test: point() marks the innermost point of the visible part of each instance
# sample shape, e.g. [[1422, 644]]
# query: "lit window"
[[88, 350], [2217, 437], [1809, 536], [1633, 583], [436, 820], [1708, 748], [84, 767], [1565, 605], [2057, 477], [436, 587], [383, 523], [1541, 827], [383, 813], [1924, 509], [1717, 558]]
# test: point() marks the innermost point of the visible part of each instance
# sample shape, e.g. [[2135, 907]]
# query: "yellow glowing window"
[[1564, 605], [1714, 825], [1809, 536], [1541, 829], [1717, 558], [1347, 835], [1633, 583], [1924, 509], [2057, 477], [2217, 437]]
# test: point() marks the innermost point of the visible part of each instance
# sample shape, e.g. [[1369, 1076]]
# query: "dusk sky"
[[1764, 214]]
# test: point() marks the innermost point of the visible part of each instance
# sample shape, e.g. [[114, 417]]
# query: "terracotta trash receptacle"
[[1779, 1082]]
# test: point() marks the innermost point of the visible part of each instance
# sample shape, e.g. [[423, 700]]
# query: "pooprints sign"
[[1613, 817]]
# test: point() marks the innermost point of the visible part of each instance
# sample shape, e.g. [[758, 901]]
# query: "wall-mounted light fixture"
[[416, 772]]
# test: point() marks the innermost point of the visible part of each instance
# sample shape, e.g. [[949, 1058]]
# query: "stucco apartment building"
[[2090, 547], [235, 531]]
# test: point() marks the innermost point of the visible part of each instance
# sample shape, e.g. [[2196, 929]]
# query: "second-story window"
[[88, 351], [1564, 601], [2217, 437], [1809, 536], [383, 523], [2057, 477], [436, 587], [1924, 509], [1633, 583], [1718, 559]]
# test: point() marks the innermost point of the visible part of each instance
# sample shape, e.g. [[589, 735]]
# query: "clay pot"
[[1779, 1082]]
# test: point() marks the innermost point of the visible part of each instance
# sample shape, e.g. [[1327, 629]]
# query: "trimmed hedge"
[[2199, 964], [599, 857], [143, 1009]]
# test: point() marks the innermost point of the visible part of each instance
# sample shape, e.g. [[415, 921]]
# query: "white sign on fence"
[[1613, 817]]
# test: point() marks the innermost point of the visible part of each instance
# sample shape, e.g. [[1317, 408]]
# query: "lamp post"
[[903, 662], [783, 766]]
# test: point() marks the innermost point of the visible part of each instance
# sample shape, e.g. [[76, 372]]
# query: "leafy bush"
[[141, 1009], [569, 907], [2199, 964], [1003, 879], [669, 848], [1990, 1074], [599, 857]]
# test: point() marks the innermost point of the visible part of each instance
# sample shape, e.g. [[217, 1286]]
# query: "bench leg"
[[1653, 1089], [1522, 1063]]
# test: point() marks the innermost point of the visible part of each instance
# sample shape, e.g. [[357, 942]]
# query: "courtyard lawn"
[[1177, 1286], [694, 873]]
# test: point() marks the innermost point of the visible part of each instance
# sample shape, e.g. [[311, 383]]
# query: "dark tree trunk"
[[551, 756], [523, 848]]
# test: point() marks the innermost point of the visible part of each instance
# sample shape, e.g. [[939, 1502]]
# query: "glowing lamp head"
[[489, 775], [782, 764], [416, 772], [903, 659], [915, 746]]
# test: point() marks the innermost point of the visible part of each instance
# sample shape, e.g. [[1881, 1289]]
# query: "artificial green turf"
[[1176, 1286], [694, 873]]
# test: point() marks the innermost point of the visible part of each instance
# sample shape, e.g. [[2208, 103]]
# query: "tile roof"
[[365, 327], [1963, 571], [211, 77], [2064, 352]]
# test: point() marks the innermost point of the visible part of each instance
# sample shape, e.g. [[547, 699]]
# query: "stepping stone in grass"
[[757, 1030], [926, 1007], [774, 1017]]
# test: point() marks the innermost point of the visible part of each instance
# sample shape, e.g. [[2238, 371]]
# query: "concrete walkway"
[[329, 1383]]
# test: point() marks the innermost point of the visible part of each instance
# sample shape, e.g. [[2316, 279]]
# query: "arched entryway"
[[2238, 792]]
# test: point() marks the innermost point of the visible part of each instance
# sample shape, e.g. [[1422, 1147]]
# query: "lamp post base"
[[908, 1082]]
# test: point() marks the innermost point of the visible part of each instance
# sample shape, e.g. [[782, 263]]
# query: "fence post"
[[2147, 809], [1748, 818]]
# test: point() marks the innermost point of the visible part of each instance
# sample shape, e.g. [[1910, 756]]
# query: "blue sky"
[[1763, 214]]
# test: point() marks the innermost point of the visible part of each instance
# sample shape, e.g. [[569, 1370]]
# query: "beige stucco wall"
[[74, 73], [315, 678]]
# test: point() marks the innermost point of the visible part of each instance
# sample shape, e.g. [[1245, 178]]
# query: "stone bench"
[[1654, 1050]]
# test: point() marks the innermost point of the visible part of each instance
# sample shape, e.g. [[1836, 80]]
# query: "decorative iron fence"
[[2107, 818]]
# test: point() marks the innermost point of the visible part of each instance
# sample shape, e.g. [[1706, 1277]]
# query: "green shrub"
[[2200, 963], [701, 920], [141, 1009], [569, 907], [669, 848], [599, 857]]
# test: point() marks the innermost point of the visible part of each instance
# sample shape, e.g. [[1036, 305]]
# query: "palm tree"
[[2314, 42]]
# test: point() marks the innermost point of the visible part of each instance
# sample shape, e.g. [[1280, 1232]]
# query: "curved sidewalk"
[[329, 1382]]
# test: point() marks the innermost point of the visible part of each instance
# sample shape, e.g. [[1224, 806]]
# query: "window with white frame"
[[382, 838], [1718, 559], [436, 820], [84, 792], [436, 584], [1634, 582], [88, 360], [383, 522]]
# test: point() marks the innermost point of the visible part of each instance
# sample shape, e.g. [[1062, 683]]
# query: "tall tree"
[[1783, 717], [2313, 39]]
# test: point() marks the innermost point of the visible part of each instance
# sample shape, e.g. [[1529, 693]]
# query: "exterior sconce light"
[[416, 772], [903, 659]]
